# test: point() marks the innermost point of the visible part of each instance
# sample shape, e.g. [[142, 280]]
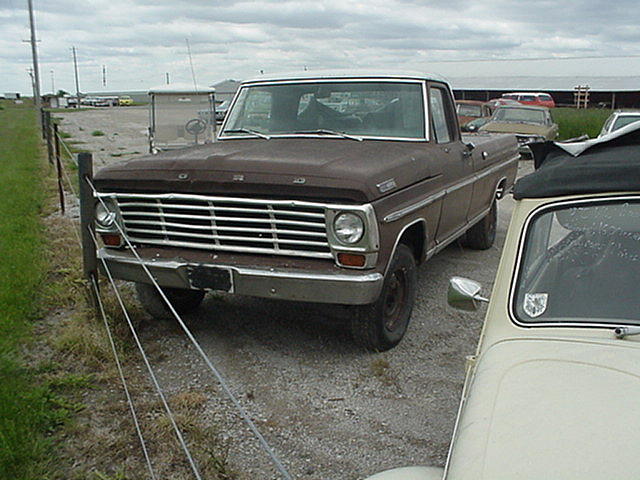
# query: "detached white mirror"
[[464, 294]]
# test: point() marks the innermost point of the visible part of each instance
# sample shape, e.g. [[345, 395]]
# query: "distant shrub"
[[575, 122], [97, 133]]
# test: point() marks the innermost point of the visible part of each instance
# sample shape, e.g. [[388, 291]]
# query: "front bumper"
[[344, 287]]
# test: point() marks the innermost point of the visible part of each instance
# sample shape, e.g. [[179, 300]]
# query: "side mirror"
[[464, 294], [470, 145]]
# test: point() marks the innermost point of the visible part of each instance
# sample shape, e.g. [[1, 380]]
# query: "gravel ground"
[[329, 409]]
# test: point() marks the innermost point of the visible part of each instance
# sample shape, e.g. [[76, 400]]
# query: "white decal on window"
[[535, 304]]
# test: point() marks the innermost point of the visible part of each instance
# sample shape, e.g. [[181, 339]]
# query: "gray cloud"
[[140, 40]]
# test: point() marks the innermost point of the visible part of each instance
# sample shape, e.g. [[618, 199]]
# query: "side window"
[[441, 115]]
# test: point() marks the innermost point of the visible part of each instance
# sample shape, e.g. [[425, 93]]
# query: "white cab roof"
[[340, 74]]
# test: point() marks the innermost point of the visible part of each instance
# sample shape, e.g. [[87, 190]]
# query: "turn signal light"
[[111, 239], [351, 260]]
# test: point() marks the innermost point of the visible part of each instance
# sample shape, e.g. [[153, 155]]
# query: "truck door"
[[454, 162]]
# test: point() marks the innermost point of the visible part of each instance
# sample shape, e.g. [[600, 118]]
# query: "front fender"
[[410, 473]]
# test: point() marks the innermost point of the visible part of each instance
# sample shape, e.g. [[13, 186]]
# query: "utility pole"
[[34, 55], [75, 67], [53, 85], [33, 83], [167, 76], [104, 75]]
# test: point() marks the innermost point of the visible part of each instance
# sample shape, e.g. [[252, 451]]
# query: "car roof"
[[522, 107], [526, 93], [622, 113], [606, 164], [344, 74], [471, 102]]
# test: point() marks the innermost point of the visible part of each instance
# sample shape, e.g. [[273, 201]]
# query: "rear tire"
[[381, 325], [482, 235], [183, 300]]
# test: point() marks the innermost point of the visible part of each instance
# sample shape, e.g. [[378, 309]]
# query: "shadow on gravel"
[[291, 327]]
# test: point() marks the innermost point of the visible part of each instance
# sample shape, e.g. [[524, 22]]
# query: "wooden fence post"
[[87, 227]]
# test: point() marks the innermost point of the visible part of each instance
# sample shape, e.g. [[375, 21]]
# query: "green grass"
[[27, 411], [574, 122], [97, 133]]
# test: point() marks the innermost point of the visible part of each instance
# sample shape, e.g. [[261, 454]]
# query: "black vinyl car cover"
[[606, 164]]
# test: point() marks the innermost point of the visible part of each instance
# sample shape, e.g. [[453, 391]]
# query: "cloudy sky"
[[140, 40]]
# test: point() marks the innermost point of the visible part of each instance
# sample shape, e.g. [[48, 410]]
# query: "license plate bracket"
[[211, 278]]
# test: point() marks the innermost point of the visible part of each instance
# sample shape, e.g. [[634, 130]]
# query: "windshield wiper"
[[326, 131], [249, 131]]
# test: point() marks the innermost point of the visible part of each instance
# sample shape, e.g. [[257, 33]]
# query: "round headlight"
[[348, 228], [105, 217]]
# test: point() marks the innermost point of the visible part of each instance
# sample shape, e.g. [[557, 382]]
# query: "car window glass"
[[526, 115], [467, 110], [367, 108], [623, 121], [439, 115], [527, 98], [252, 110], [581, 263]]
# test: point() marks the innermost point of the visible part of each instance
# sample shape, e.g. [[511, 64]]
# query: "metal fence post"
[[47, 128], [87, 227], [56, 143]]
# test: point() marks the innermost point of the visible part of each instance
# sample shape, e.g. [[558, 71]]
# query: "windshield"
[[581, 264], [466, 110], [623, 121], [377, 109], [523, 115]]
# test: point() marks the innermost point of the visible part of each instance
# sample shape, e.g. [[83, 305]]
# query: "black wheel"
[[482, 235], [381, 325], [183, 300]]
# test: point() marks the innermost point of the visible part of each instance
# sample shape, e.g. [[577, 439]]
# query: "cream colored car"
[[553, 391]]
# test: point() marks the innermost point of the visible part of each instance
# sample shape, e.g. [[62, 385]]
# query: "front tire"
[[183, 300], [381, 325], [482, 235]]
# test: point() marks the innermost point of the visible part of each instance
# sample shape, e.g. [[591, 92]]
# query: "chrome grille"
[[278, 227]]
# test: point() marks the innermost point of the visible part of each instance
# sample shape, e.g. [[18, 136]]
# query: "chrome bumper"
[[346, 288]]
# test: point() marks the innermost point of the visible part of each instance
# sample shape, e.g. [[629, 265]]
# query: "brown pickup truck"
[[320, 188]]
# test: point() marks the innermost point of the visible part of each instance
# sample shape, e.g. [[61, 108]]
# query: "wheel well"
[[414, 238], [500, 188]]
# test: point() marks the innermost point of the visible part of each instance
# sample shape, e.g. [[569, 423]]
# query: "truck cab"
[[321, 187]]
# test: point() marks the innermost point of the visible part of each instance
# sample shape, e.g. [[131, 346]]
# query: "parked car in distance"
[[498, 102], [531, 98], [88, 101], [552, 389], [326, 188], [530, 124], [221, 110], [474, 125], [619, 119], [469, 110], [109, 101], [125, 100]]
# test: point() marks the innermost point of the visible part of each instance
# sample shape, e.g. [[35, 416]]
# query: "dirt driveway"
[[330, 410]]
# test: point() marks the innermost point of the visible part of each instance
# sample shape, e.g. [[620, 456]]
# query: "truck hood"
[[560, 409], [512, 127], [310, 168]]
